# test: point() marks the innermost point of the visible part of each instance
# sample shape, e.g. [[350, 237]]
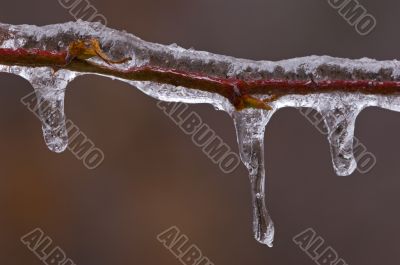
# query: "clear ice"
[[338, 109]]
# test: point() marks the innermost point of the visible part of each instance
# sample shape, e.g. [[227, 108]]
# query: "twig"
[[165, 66]]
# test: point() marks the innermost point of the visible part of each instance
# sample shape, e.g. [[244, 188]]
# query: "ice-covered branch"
[[251, 92], [234, 79]]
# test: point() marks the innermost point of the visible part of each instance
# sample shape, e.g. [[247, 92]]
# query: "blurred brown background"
[[153, 177]]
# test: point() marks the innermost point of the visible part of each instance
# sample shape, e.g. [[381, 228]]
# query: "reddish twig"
[[237, 80], [232, 89]]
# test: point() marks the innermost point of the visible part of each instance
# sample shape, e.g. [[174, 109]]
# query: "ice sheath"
[[339, 89]]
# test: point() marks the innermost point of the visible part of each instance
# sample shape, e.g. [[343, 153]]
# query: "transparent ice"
[[338, 109]]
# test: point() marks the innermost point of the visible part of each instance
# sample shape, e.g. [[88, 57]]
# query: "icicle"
[[250, 127], [340, 122], [50, 91], [51, 112]]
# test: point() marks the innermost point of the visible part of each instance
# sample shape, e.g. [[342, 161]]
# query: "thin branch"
[[171, 65]]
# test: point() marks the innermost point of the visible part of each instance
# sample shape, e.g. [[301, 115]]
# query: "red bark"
[[235, 90]]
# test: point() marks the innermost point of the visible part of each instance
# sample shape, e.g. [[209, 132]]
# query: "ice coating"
[[339, 109]]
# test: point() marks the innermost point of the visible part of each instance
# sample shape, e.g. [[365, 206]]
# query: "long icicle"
[[250, 128]]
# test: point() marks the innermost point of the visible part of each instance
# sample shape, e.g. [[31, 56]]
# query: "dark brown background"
[[153, 177]]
